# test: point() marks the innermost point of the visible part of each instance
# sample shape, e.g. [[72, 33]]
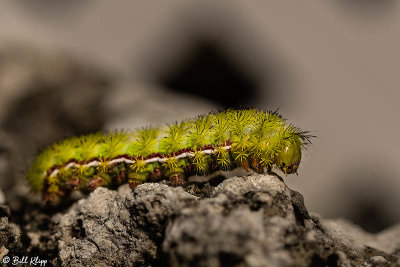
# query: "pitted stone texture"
[[100, 232], [112, 229], [253, 220], [10, 233]]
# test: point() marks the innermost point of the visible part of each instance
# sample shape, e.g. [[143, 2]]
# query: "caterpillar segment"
[[247, 138]]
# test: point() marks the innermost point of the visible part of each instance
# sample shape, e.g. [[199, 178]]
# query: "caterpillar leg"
[[269, 169], [51, 192], [177, 179], [133, 184], [256, 166], [155, 175], [93, 183], [52, 198], [120, 173], [136, 178], [241, 159], [72, 184], [175, 171], [245, 165]]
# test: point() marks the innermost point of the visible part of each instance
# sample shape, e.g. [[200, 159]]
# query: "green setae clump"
[[247, 138]]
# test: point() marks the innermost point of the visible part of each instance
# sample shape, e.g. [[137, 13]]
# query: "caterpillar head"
[[288, 159]]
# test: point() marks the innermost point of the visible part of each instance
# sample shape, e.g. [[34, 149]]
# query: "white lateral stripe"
[[93, 163], [154, 160], [54, 173], [207, 152], [71, 164], [120, 160], [96, 163], [185, 155]]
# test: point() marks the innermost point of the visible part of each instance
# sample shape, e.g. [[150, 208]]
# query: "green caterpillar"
[[247, 138]]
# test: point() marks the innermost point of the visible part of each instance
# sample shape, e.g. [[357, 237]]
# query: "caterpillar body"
[[248, 138]]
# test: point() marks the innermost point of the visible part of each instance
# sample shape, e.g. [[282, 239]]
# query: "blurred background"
[[330, 66]]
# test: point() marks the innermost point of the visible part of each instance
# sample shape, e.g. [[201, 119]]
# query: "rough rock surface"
[[245, 221], [115, 229], [10, 234]]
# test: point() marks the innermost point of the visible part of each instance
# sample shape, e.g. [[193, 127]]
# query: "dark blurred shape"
[[317, 260], [371, 198], [46, 115], [372, 215], [207, 72]]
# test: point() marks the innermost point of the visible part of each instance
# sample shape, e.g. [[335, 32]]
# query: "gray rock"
[[10, 233], [111, 229], [249, 221], [244, 221], [100, 232]]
